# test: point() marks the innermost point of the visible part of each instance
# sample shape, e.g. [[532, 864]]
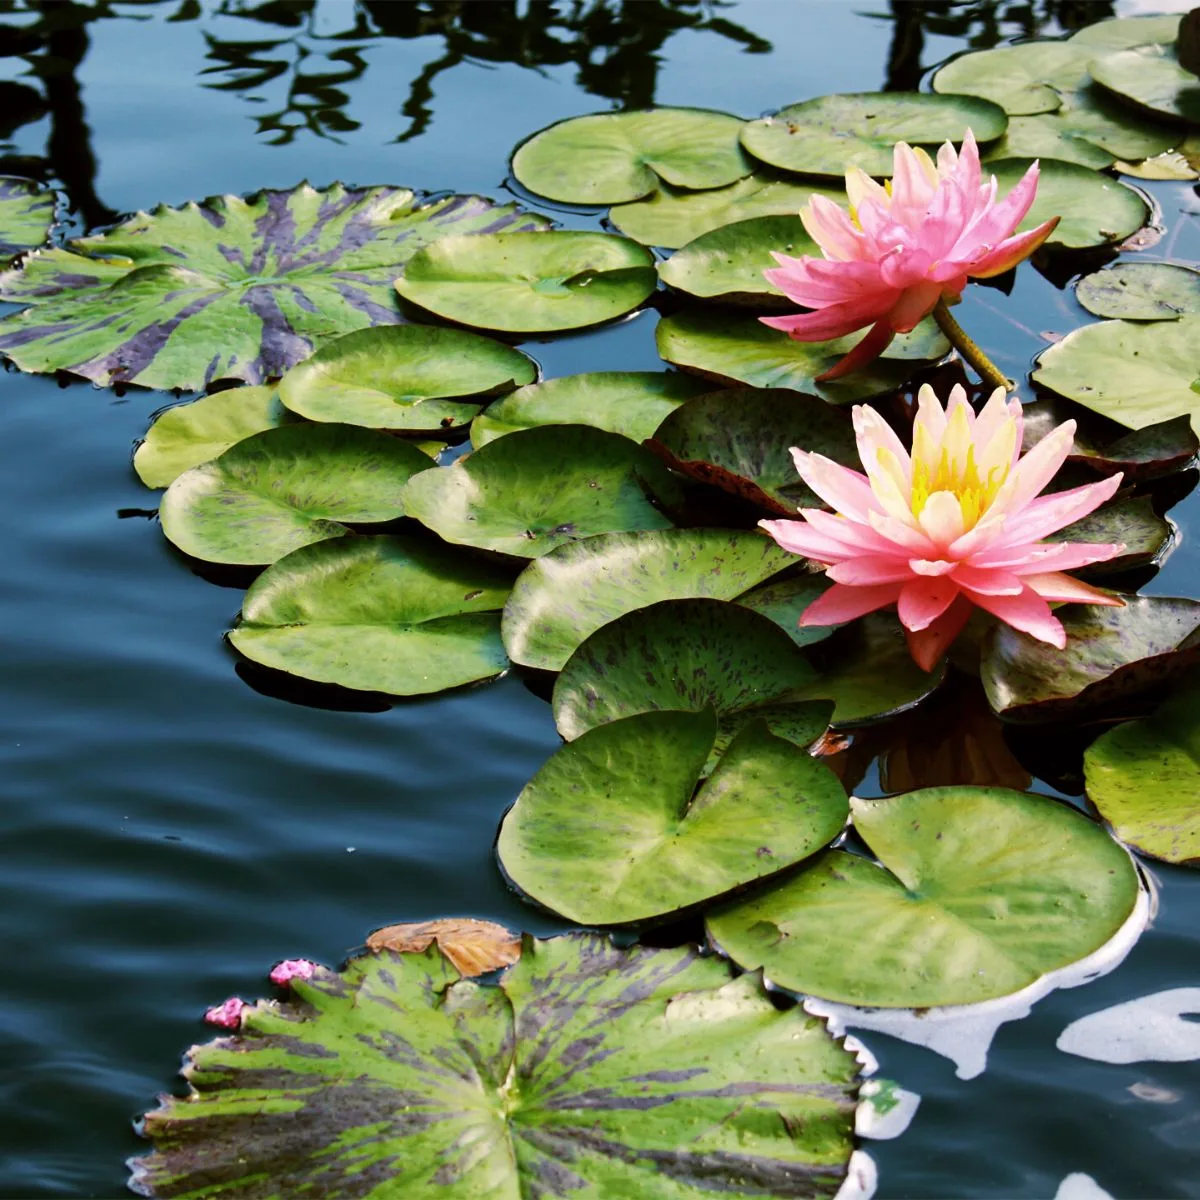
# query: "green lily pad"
[[1111, 653], [530, 283], [739, 440], [1117, 33], [1144, 777], [537, 489], [611, 158], [229, 289], [978, 892], [283, 488], [631, 403], [737, 348], [1048, 136], [1023, 80], [672, 217], [563, 598], [27, 212], [826, 135], [1095, 209], [783, 600], [409, 377], [586, 1071], [190, 434], [379, 614], [1141, 291], [727, 264], [869, 673], [696, 655], [621, 826], [1137, 373], [1147, 537], [1151, 80]]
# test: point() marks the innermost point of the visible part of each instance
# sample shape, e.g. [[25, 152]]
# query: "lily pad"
[[631, 403], [530, 282], [537, 489], [231, 288], [284, 488], [978, 893], [1111, 653], [1095, 209], [611, 158], [739, 439], [727, 264], [1151, 79], [563, 598], [381, 614], [737, 348], [1117, 33], [672, 217], [1025, 79], [1144, 777], [696, 655], [783, 600], [1141, 291], [27, 212], [407, 377], [398, 1076], [1137, 373], [828, 134], [190, 434], [1048, 136], [1146, 536], [620, 826]]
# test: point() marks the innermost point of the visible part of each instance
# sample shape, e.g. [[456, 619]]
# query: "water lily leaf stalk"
[[970, 349]]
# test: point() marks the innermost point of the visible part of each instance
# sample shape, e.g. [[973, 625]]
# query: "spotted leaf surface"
[[233, 288], [589, 1072]]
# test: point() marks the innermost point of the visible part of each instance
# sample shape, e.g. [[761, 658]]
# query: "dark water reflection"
[[173, 822]]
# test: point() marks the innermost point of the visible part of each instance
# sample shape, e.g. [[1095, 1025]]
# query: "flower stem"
[[969, 349]]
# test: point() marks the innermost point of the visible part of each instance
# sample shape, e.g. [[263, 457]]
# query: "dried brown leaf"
[[474, 947]]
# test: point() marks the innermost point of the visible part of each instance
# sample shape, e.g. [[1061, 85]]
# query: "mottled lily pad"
[[1137, 373], [530, 282], [27, 212], [1141, 291], [1025, 79], [727, 264], [739, 440], [978, 892], [1118, 33], [695, 655], [736, 348], [381, 614], [564, 597], [783, 600], [1144, 777], [284, 488], [622, 826], [612, 158], [1095, 209], [826, 135], [1146, 536], [1111, 653], [1048, 136], [537, 489], [672, 217], [229, 289], [409, 377], [1151, 79], [190, 434], [401, 1077], [631, 403]]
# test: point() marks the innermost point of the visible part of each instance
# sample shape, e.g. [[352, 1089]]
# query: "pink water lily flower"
[[956, 524], [904, 247], [227, 1015], [284, 972]]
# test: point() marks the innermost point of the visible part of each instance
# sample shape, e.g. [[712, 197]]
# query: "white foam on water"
[[1149, 1029], [862, 1178], [872, 1122], [1078, 1186], [963, 1033]]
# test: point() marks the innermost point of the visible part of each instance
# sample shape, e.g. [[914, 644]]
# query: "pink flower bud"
[[227, 1015], [292, 968]]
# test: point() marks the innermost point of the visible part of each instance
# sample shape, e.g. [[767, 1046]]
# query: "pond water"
[[171, 824]]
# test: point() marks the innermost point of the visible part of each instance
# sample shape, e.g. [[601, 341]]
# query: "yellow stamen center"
[[960, 477]]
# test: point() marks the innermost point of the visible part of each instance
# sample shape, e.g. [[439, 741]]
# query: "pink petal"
[[831, 228], [292, 968], [931, 566], [924, 600], [1044, 556], [1012, 251], [988, 582], [227, 1015], [1027, 612], [911, 539], [929, 644], [941, 518], [861, 537], [866, 351], [1034, 471], [845, 491], [833, 321], [870, 569], [799, 537], [914, 306], [1056, 586], [1048, 514], [815, 283], [872, 434], [844, 603]]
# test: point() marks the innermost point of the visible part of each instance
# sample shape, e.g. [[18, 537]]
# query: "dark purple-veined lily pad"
[[232, 288], [1111, 654], [1147, 537], [586, 1069]]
